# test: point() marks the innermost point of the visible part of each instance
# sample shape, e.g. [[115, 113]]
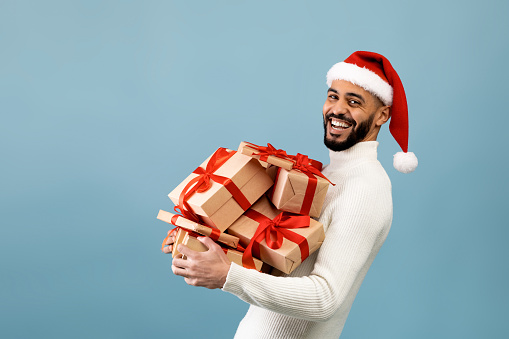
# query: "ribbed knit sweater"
[[315, 299]]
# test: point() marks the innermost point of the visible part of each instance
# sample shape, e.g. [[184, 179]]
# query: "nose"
[[339, 107]]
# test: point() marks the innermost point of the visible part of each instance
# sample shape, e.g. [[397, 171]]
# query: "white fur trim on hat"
[[362, 77], [405, 162]]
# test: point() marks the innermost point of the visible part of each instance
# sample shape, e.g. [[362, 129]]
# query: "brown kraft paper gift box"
[[177, 220], [288, 256], [184, 237], [282, 161], [289, 191], [216, 206], [290, 186]]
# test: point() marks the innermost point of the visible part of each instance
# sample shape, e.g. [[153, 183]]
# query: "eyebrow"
[[356, 95], [360, 97]]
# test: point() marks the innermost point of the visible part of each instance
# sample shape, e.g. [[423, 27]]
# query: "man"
[[314, 300]]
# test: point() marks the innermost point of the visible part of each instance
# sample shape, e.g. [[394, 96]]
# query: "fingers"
[[180, 267], [191, 281], [187, 252], [178, 271], [214, 247], [170, 240], [208, 242], [181, 263], [208, 269], [167, 246]]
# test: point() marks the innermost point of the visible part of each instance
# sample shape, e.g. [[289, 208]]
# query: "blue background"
[[107, 105]]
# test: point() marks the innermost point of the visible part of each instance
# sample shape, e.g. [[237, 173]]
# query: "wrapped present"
[[180, 235], [189, 239], [221, 189], [299, 185], [267, 155], [280, 239], [213, 233], [300, 190], [236, 257]]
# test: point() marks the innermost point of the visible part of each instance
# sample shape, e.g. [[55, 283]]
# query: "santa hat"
[[375, 74]]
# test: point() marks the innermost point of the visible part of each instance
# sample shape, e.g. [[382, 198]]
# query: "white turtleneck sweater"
[[315, 299]]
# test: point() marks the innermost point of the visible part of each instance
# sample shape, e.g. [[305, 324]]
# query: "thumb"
[[186, 251]]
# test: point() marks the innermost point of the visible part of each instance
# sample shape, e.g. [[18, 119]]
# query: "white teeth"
[[336, 123]]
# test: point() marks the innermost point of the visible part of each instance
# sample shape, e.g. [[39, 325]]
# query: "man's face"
[[349, 115]]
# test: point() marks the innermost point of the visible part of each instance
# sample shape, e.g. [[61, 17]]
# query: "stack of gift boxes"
[[257, 203]]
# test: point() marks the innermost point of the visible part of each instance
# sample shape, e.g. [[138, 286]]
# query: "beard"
[[358, 133]]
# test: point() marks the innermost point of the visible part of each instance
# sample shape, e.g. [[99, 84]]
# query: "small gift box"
[[280, 239], [300, 190], [187, 238], [267, 155], [180, 235], [213, 233], [221, 189]]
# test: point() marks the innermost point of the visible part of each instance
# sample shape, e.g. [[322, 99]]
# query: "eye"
[[333, 96], [354, 102]]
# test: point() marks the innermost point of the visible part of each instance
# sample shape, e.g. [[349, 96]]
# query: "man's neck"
[[358, 152]]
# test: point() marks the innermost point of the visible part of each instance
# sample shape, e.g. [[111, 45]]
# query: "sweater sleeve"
[[359, 215]]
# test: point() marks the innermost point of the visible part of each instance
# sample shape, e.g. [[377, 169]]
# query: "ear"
[[383, 115]]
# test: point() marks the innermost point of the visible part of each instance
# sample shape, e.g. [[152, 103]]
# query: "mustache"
[[341, 117]]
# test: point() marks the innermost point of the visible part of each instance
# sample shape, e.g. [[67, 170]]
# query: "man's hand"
[[208, 269], [169, 242]]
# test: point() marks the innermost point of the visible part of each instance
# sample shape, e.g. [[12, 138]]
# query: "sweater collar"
[[365, 150]]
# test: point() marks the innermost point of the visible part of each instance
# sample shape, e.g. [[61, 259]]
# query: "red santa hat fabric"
[[375, 74]]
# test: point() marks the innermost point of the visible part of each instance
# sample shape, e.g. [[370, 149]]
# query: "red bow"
[[265, 151], [277, 228], [308, 166]]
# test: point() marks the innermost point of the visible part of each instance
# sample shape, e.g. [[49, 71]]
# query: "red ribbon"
[[265, 151], [202, 183], [165, 239], [277, 228], [214, 235], [306, 165], [194, 234], [311, 168], [226, 248], [301, 162]]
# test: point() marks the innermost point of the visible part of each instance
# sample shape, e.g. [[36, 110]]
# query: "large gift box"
[[280, 239], [187, 238], [221, 189], [300, 190]]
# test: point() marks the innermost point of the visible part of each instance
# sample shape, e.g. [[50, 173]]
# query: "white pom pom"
[[405, 162]]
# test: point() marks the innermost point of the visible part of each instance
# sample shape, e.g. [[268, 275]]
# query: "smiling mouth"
[[338, 125]]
